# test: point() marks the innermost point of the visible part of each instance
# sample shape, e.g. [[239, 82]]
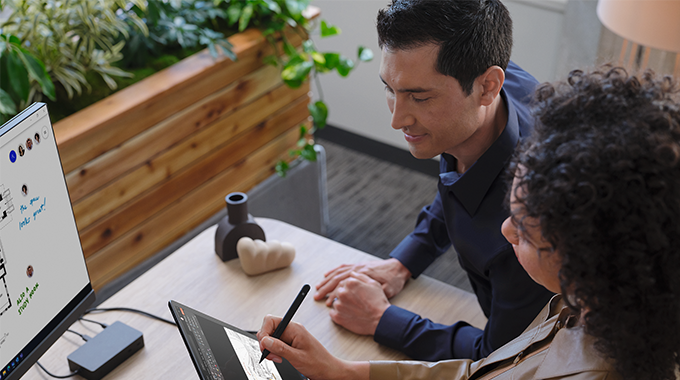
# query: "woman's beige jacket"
[[547, 349]]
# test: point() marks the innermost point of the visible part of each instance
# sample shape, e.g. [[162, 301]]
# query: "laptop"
[[221, 351]]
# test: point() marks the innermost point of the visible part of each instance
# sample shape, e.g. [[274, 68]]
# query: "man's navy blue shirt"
[[468, 212]]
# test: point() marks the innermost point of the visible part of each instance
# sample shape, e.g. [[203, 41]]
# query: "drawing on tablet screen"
[[248, 352]]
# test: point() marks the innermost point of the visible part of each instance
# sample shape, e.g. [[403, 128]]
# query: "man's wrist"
[[376, 322], [400, 270]]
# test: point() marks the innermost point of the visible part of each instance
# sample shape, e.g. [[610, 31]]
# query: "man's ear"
[[491, 82]]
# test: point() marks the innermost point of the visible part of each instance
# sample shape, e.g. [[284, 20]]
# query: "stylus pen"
[[286, 318]]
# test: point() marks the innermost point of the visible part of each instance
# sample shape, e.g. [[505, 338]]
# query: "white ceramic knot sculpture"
[[259, 257]]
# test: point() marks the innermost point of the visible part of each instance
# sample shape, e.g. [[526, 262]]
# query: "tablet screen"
[[221, 351], [248, 353]]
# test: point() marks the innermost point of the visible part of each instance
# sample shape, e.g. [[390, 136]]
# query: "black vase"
[[237, 224]]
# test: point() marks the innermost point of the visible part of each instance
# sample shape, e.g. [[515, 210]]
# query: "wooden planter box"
[[149, 163]]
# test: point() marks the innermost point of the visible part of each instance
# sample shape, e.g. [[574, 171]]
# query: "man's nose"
[[401, 115]]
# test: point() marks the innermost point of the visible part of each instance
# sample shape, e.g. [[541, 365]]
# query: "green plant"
[[176, 24], [22, 77], [72, 37], [273, 17]]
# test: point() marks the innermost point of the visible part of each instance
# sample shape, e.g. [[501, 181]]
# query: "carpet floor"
[[373, 204]]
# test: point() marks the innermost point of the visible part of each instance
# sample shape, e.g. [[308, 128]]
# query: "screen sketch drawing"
[[248, 352]]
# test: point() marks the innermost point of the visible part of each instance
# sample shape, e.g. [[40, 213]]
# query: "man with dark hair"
[[452, 91]]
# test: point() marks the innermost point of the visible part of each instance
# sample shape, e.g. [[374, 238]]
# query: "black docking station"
[[101, 354]]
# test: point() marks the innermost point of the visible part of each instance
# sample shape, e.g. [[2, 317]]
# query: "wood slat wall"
[[151, 162]]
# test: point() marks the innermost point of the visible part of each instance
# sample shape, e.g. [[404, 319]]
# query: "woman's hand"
[[306, 353]]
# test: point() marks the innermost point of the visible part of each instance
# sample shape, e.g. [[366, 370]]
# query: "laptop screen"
[[42, 268]]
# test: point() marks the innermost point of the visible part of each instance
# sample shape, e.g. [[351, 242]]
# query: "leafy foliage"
[[184, 24], [297, 66], [72, 37], [23, 76]]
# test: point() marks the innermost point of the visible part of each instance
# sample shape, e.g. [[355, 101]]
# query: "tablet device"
[[221, 351]]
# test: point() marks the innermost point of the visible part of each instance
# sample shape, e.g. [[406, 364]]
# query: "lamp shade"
[[652, 23]]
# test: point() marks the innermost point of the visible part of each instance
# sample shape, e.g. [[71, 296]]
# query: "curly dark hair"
[[602, 175], [473, 35]]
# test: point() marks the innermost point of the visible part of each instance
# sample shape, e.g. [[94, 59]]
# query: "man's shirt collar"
[[471, 187]]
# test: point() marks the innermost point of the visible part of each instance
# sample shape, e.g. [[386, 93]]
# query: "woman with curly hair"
[[595, 216]]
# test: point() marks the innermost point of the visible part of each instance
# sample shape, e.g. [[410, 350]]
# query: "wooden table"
[[194, 275]]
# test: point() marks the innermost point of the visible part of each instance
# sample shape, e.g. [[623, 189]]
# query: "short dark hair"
[[602, 175], [473, 35]]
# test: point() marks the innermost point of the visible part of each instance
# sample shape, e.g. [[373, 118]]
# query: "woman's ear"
[[491, 82]]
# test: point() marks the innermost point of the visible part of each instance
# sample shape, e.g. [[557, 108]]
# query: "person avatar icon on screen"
[[24, 189], [29, 143], [36, 137], [21, 150]]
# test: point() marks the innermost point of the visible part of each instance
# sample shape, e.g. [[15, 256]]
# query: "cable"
[[56, 376], [85, 337], [99, 310], [104, 325]]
